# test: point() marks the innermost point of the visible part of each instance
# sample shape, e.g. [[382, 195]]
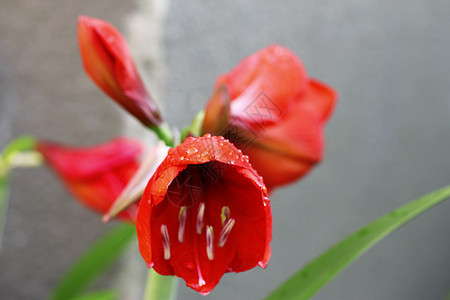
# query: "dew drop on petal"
[[191, 151]]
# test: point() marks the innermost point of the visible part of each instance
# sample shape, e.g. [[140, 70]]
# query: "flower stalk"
[[159, 287], [164, 134]]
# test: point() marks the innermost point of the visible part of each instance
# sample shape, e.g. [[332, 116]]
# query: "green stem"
[[159, 287], [164, 134], [196, 125]]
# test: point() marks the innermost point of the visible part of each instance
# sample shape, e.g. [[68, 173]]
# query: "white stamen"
[[165, 241], [201, 281], [181, 223], [226, 229], [209, 242], [201, 212], [225, 214]]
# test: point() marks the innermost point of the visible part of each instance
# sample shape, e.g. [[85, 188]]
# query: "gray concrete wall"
[[387, 143], [48, 95]]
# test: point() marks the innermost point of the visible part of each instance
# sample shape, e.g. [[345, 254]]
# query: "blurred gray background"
[[388, 141]]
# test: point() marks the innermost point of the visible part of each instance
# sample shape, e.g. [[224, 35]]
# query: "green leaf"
[[16, 146], [306, 282], [160, 287], [100, 295], [22, 143], [93, 262], [4, 187]]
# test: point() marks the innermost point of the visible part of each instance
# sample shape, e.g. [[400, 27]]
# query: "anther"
[[225, 214], [209, 242], [201, 212], [181, 223], [226, 229], [165, 241]]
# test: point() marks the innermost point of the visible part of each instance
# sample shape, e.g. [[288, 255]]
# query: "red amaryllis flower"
[[96, 175], [204, 212], [107, 59], [276, 114]]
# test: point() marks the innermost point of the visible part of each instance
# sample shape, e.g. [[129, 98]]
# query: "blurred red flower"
[[96, 175], [269, 107], [204, 212], [107, 59]]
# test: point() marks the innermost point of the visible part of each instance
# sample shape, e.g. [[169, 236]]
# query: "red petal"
[[277, 114], [274, 72], [95, 175], [319, 98], [107, 59], [83, 162], [217, 112], [218, 176], [287, 150]]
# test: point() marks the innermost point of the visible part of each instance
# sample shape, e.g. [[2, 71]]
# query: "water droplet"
[[191, 151], [207, 136], [182, 158]]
